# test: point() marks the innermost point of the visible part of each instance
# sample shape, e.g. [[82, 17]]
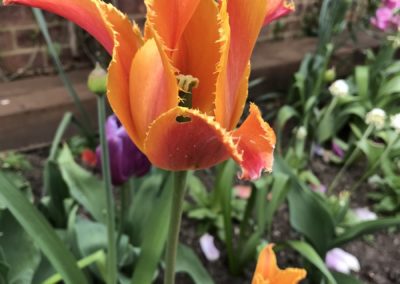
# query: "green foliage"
[[14, 161]]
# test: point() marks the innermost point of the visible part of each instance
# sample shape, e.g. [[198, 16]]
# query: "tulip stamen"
[[186, 84]]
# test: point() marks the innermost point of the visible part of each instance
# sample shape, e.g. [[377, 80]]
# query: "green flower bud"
[[97, 80], [330, 75]]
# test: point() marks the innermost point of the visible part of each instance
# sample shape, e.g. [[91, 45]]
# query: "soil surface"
[[379, 255]]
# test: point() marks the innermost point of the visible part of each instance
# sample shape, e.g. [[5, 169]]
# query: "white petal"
[[208, 247]]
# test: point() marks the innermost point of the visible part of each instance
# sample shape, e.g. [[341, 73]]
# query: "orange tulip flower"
[[267, 271], [180, 89]]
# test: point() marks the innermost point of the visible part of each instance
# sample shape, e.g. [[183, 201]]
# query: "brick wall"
[[23, 51]]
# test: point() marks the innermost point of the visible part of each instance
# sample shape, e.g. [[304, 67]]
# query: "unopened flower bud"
[[339, 88], [97, 80], [330, 75], [376, 117], [301, 133]]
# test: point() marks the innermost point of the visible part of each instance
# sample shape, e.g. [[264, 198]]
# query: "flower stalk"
[[350, 160], [105, 165], [376, 164], [180, 178]]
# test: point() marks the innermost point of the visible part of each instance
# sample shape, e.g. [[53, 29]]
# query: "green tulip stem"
[[174, 226], [105, 166], [376, 164], [350, 159]]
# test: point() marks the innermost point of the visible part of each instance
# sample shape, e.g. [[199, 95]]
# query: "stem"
[[375, 165], [174, 226], [126, 197], [349, 160], [60, 69], [105, 165]]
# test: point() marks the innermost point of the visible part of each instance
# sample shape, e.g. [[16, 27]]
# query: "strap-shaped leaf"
[[40, 230]]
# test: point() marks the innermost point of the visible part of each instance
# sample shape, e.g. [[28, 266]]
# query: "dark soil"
[[379, 255]]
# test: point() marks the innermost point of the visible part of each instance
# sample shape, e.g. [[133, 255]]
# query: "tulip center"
[[186, 84]]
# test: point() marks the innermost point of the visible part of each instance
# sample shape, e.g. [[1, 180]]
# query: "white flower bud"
[[395, 122], [376, 117], [339, 88], [301, 133]]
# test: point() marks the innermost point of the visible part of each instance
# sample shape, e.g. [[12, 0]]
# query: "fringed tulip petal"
[[85, 13], [198, 53], [245, 21], [169, 18], [118, 79], [267, 270], [153, 88], [197, 142], [277, 9], [256, 141]]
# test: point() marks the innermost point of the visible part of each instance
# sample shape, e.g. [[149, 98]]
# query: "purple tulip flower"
[[126, 160]]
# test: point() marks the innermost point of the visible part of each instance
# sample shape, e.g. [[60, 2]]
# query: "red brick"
[[6, 41], [12, 63], [31, 37], [12, 16], [27, 38]]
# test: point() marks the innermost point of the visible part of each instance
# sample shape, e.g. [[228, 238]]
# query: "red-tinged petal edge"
[[256, 142], [277, 9], [196, 144], [84, 13]]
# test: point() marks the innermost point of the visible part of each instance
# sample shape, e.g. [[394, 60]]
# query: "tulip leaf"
[[156, 232], [312, 256], [362, 81], [142, 207], [20, 253], [363, 228], [345, 279], [84, 187], [315, 221], [40, 231], [188, 262]]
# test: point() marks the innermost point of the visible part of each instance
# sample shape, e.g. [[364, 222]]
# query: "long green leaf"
[[188, 262], [84, 187], [67, 83], [312, 256], [20, 252], [42, 233], [156, 235], [308, 214], [363, 228]]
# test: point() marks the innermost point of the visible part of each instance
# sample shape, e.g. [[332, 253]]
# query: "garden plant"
[[186, 173]]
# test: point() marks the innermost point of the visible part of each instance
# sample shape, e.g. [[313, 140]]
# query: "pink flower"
[[386, 17], [337, 150], [242, 191]]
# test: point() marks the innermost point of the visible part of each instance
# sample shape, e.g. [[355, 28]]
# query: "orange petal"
[[267, 270], [256, 141], [127, 40], [245, 21], [197, 144], [85, 13], [277, 9], [169, 18], [198, 53], [153, 89]]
